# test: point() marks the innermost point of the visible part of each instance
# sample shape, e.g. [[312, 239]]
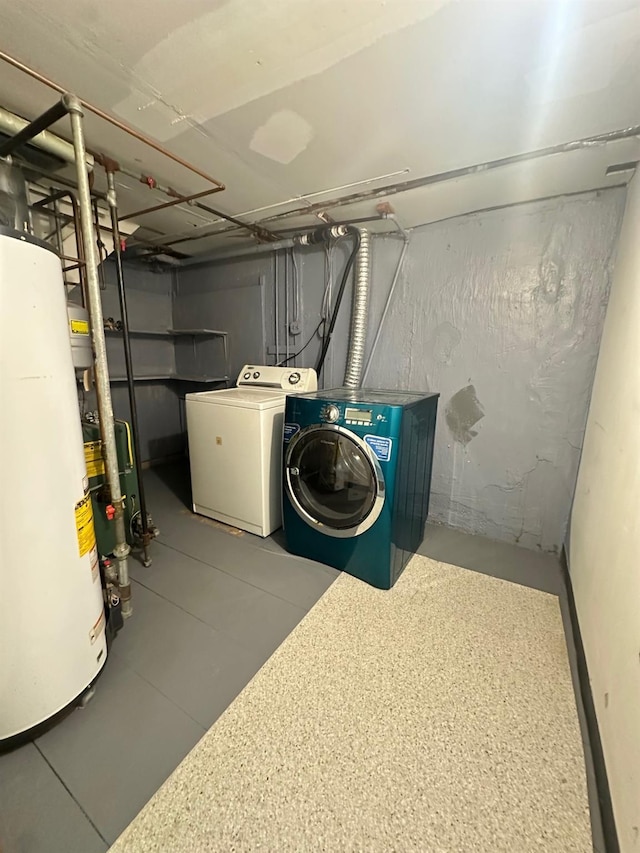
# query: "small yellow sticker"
[[93, 458], [84, 525], [79, 327]]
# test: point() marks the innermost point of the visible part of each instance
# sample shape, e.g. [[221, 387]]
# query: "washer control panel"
[[291, 379], [330, 413], [367, 416]]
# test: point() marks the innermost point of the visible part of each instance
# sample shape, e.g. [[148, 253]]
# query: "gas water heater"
[[52, 621]]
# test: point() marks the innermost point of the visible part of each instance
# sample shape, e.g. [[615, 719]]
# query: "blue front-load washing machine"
[[357, 477]]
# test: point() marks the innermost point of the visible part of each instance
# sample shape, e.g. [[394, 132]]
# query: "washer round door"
[[334, 480]]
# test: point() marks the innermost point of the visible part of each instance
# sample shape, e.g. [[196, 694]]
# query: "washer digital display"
[[363, 416]]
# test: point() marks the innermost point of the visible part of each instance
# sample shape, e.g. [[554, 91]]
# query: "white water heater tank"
[[52, 626]]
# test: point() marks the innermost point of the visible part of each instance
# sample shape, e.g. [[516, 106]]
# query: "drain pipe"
[[103, 389], [124, 314], [359, 311]]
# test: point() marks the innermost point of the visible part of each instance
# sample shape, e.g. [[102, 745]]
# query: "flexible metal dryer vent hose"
[[359, 312]]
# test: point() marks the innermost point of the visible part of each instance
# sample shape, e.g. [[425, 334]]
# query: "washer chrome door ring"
[[366, 461]]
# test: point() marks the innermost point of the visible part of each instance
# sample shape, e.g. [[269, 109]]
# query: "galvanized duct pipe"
[[359, 312], [103, 389]]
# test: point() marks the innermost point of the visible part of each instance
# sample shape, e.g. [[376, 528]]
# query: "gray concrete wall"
[[227, 298], [501, 312], [150, 307]]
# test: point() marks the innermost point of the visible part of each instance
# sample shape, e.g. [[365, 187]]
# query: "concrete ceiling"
[[291, 103]]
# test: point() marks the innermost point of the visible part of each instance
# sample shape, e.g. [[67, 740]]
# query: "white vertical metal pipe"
[[392, 289], [287, 319], [276, 303], [103, 389]]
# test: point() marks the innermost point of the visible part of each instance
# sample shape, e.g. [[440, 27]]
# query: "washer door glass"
[[332, 478]]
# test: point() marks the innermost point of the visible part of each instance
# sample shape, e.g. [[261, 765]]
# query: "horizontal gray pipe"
[[12, 124], [212, 257]]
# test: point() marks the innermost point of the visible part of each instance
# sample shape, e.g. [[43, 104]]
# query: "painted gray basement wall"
[[149, 302], [501, 312], [228, 298]]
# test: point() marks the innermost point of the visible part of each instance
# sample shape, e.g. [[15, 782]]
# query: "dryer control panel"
[[333, 413], [294, 380]]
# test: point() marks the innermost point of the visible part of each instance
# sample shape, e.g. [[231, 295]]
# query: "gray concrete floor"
[[208, 613]]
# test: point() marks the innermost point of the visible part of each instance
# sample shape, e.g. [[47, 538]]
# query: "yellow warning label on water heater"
[[79, 327], [84, 525], [93, 458]]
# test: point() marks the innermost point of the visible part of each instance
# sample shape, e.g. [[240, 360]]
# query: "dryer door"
[[334, 480]]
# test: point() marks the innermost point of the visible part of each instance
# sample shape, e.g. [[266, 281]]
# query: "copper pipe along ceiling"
[[148, 180], [141, 137], [110, 165]]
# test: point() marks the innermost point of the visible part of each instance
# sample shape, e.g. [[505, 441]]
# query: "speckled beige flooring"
[[438, 716]]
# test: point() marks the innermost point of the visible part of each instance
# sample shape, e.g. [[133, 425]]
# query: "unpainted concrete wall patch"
[[444, 342], [462, 413], [282, 137]]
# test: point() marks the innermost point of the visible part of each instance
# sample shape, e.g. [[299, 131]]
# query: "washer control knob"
[[247, 376], [331, 413], [294, 378], [256, 375]]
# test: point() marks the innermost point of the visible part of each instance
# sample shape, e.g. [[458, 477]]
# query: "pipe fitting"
[[107, 163], [311, 238], [111, 573], [322, 234], [125, 599], [72, 103], [121, 551]]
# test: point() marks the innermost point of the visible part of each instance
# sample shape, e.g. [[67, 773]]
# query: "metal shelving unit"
[[178, 375], [155, 377], [161, 333], [198, 332]]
